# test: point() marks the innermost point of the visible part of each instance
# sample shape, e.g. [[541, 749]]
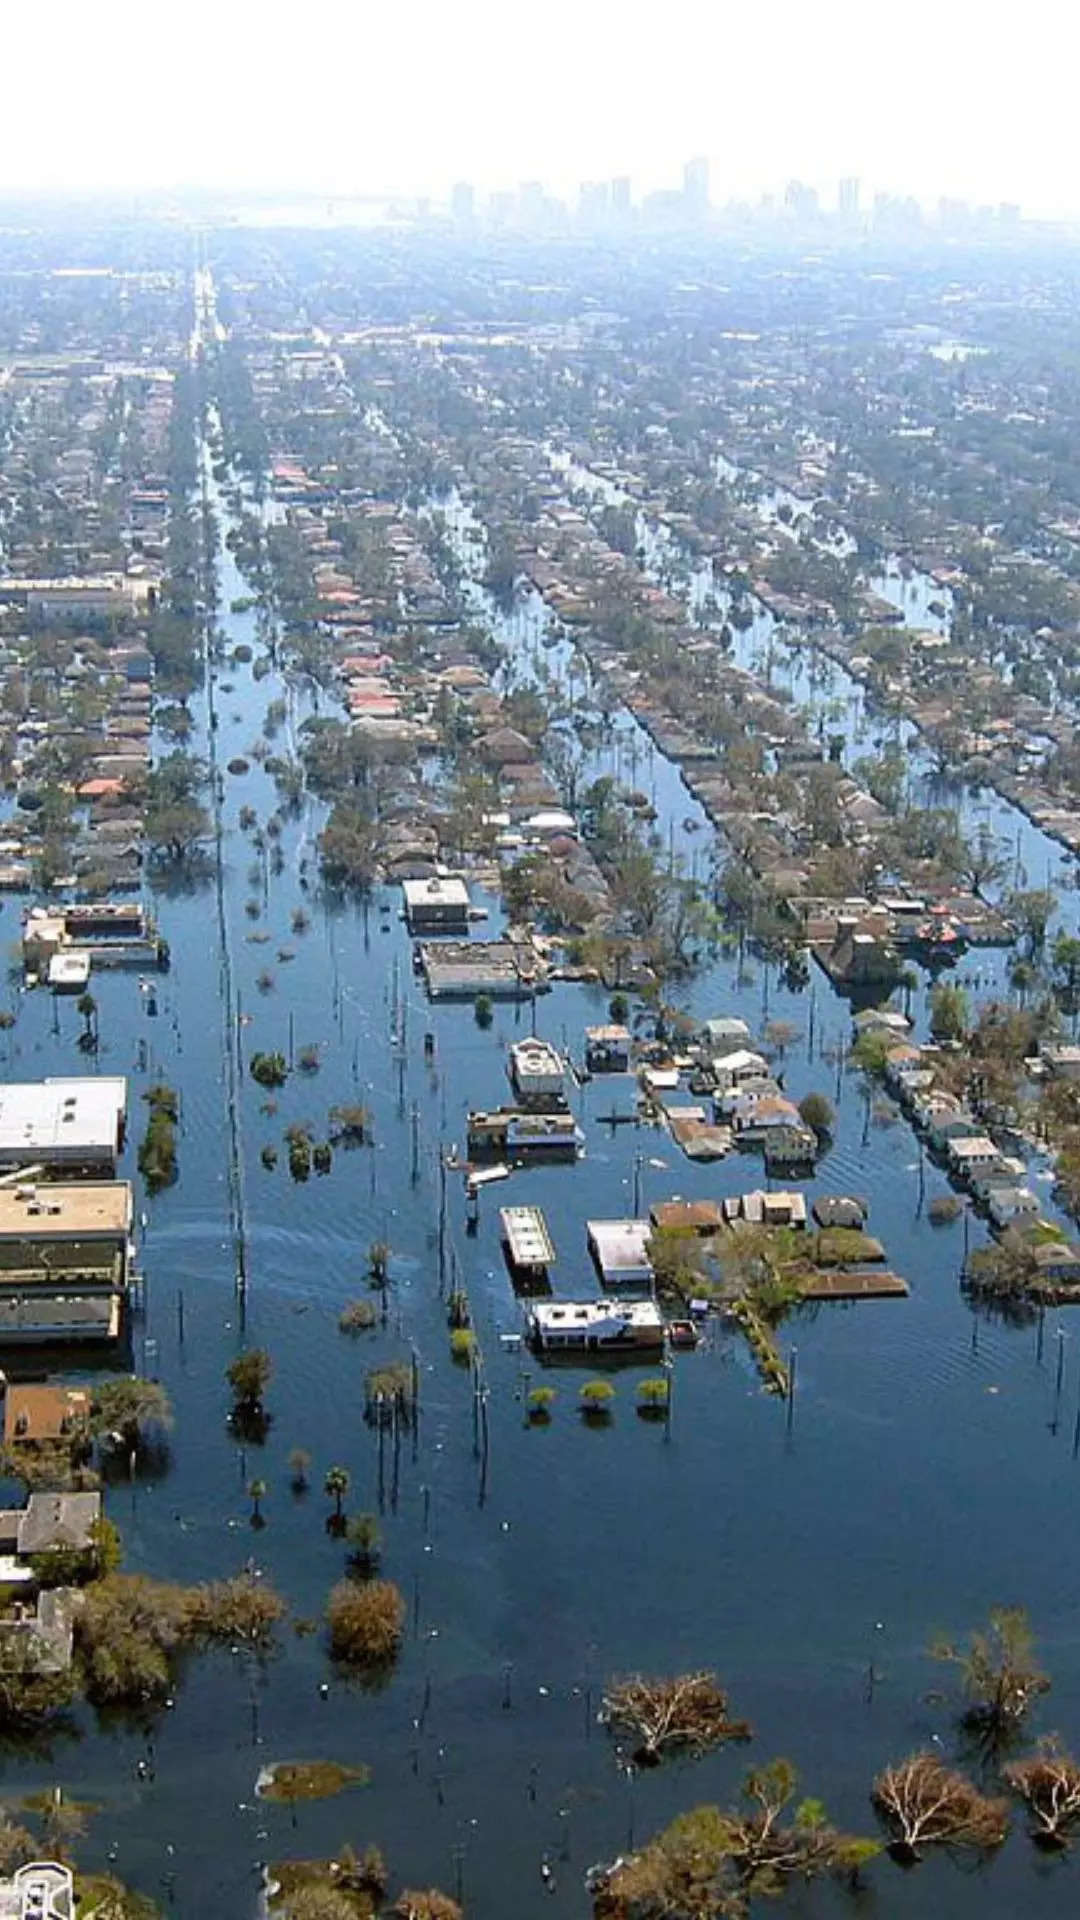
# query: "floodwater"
[[928, 1470]]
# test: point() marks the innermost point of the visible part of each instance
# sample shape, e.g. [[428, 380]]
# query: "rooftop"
[[556, 1314], [35, 1414], [62, 1117], [66, 1208], [442, 889]]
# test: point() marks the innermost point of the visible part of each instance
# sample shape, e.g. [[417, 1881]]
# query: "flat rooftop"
[[65, 1209], [527, 1236], [620, 1246], [441, 890], [62, 1118]]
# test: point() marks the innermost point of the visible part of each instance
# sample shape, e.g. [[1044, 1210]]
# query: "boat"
[[682, 1333]]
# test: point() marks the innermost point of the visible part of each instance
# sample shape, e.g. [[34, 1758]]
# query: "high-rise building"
[[800, 200], [696, 185], [848, 198], [594, 203], [462, 202], [620, 196]]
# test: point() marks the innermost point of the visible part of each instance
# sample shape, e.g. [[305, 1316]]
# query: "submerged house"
[[591, 1326], [607, 1049]]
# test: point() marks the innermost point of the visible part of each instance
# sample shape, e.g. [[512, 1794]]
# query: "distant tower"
[[848, 199], [696, 185], [462, 202], [594, 203], [620, 196], [800, 201]]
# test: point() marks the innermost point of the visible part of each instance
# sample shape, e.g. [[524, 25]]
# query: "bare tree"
[[1049, 1783], [922, 1802], [1001, 1678], [689, 1712]]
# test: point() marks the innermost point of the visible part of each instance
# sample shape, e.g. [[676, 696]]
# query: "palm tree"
[[336, 1485], [256, 1493]]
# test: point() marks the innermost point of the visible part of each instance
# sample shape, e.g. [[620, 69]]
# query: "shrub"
[[366, 1622], [299, 1155], [482, 1009], [358, 1317], [462, 1343], [817, 1111], [653, 1396], [539, 1404], [944, 1208], [157, 1150], [269, 1069]]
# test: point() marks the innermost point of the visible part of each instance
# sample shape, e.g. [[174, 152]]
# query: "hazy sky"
[[929, 97]]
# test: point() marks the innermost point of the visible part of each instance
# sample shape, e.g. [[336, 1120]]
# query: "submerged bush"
[[366, 1622]]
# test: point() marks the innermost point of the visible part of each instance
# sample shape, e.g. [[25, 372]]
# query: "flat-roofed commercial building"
[[66, 1261], [77, 1123], [439, 904]]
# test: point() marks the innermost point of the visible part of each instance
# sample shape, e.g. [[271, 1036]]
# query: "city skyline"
[[584, 97]]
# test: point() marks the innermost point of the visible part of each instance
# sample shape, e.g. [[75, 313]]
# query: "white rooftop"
[[62, 1119], [561, 1315], [441, 889], [620, 1246]]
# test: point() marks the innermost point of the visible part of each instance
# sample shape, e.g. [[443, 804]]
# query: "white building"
[[736, 1068], [971, 1155], [595, 1325], [63, 1123], [43, 1890], [1006, 1204], [620, 1250], [439, 904], [536, 1068]]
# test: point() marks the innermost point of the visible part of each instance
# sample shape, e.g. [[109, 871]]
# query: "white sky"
[[964, 97]]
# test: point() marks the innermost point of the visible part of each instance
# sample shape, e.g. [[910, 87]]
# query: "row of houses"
[[997, 1181]]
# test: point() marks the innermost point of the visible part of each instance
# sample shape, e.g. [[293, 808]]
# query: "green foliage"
[[157, 1150], [817, 1111], [130, 1629], [127, 1404], [249, 1376], [269, 1069], [595, 1399], [336, 1485], [950, 1011], [1001, 1678]]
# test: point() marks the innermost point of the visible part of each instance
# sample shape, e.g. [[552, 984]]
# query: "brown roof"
[[693, 1216], [36, 1414]]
